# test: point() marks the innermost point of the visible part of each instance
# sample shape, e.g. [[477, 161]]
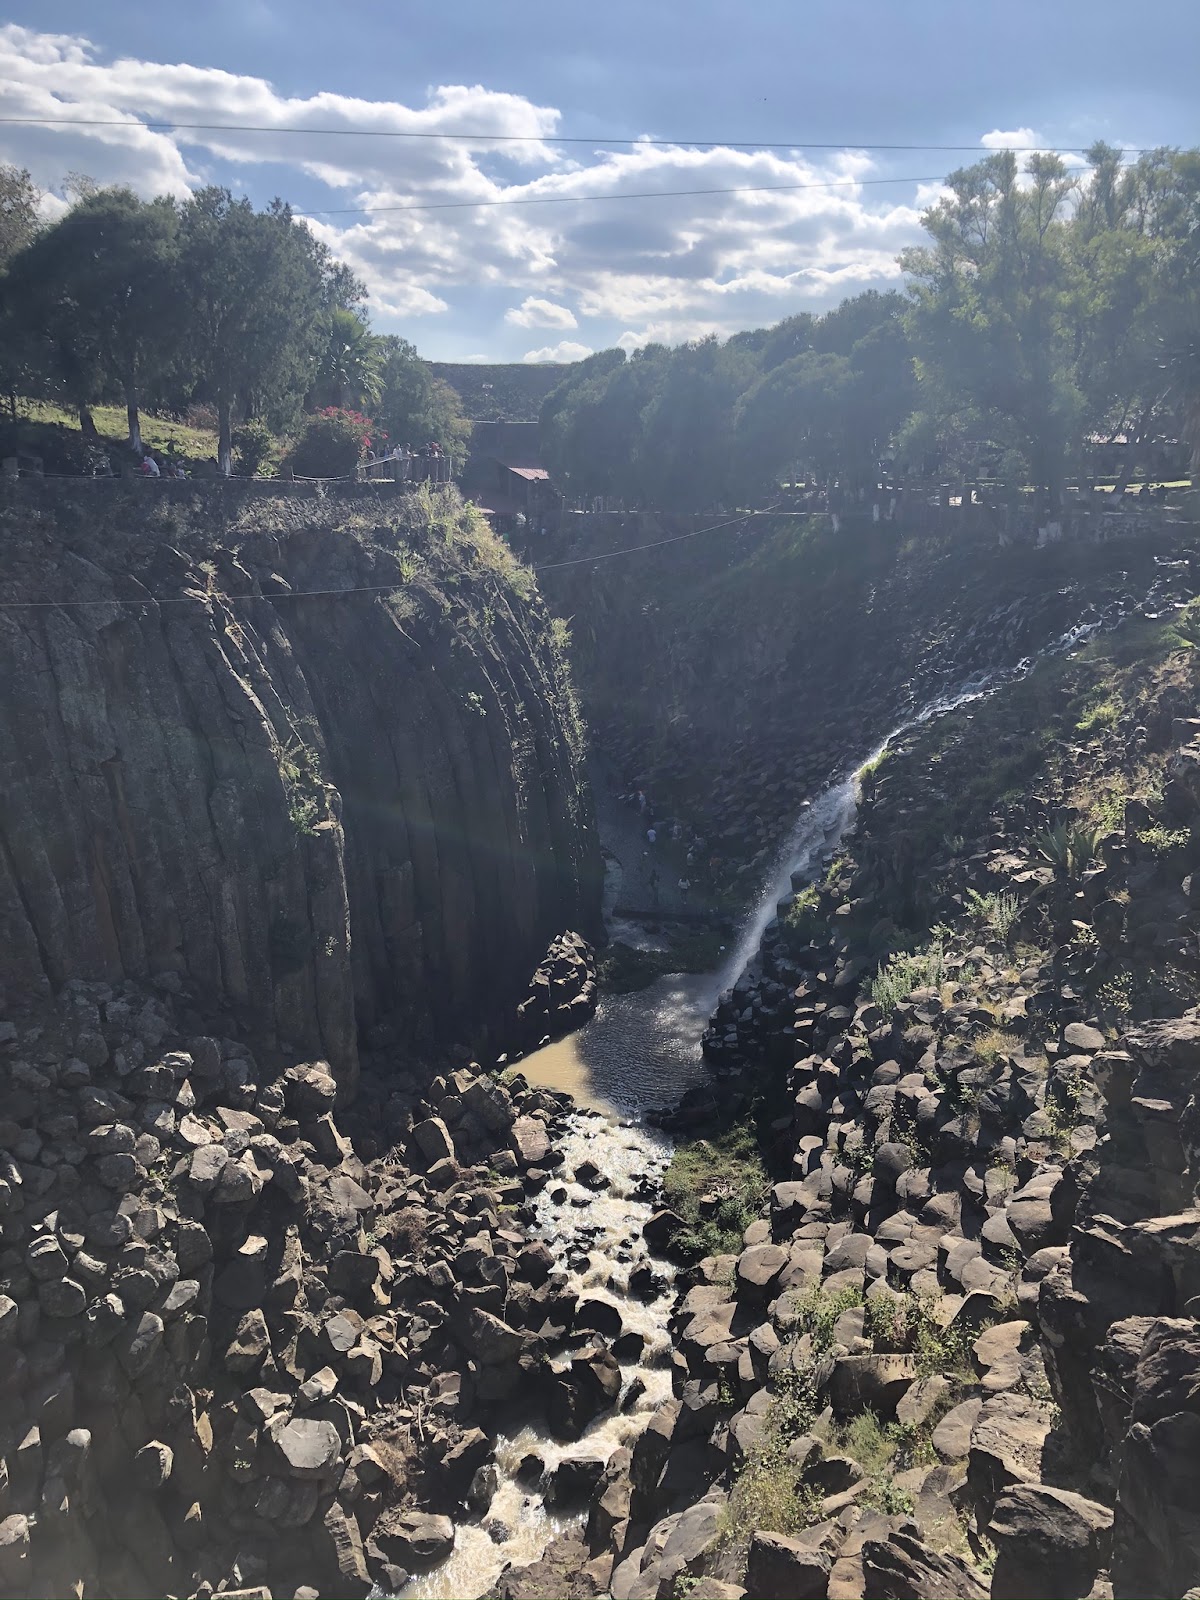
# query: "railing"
[[408, 469]]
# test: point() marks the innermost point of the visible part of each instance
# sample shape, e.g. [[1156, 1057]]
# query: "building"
[[505, 476]]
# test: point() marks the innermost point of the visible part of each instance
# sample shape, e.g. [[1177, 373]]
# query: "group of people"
[[172, 467], [668, 830]]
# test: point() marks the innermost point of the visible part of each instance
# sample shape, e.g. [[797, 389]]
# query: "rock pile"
[[237, 1354], [562, 992]]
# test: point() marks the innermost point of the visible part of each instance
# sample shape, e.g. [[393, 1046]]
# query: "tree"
[[22, 356], [19, 201], [992, 310], [349, 372], [100, 284], [254, 290], [413, 405]]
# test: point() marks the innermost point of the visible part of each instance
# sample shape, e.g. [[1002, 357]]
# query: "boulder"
[[414, 1538], [1048, 1541], [901, 1567], [779, 1568], [529, 1141]]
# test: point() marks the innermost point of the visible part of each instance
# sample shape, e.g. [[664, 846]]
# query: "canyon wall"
[[737, 671], [312, 757]]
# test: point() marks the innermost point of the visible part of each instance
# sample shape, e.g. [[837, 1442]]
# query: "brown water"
[[639, 1051]]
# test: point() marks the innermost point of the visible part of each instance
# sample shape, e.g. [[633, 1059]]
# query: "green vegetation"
[[997, 911], [1101, 714], [899, 976], [717, 1186], [300, 768], [1069, 847], [1161, 840], [802, 918], [1047, 309], [163, 306]]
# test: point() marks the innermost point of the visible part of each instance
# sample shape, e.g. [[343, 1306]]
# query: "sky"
[[692, 95]]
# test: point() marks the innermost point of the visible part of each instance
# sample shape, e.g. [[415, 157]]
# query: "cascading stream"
[[643, 1050]]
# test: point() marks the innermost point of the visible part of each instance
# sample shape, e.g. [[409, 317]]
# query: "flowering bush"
[[334, 441]]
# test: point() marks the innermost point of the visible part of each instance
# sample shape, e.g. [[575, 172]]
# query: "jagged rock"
[[952, 1436], [1006, 1445], [414, 1538], [871, 1383], [432, 1139], [1049, 1541], [902, 1568], [529, 1141], [306, 1448], [589, 1386], [781, 1568]]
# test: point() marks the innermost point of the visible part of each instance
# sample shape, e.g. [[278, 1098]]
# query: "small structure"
[[505, 476]]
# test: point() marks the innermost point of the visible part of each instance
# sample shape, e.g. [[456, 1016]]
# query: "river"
[[640, 1051]]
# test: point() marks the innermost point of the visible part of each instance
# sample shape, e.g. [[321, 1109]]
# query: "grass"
[[990, 1046], [728, 1173], [158, 433], [1100, 714], [768, 1492]]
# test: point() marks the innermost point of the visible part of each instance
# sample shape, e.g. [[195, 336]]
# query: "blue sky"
[[545, 281]]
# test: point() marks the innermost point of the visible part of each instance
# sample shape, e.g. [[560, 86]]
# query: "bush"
[[728, 1174], [332, 444], [255, 445]]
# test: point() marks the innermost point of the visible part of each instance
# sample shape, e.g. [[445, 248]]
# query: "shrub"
[[920, 969], [255, 445], [727, 1172], [998, 911], [334, 441]]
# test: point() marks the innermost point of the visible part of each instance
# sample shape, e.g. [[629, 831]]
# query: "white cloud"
[[565, 350], [536, 313], [1014, 139], [798, 233]]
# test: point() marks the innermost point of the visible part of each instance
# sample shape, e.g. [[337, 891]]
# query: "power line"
[[366, 588], [587, 199], [156, 124]]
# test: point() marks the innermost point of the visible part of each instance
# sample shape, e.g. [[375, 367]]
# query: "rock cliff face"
[[735, 671], [315, 758]]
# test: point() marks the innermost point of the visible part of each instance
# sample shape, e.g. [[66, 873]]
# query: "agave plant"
[[1069, 847]]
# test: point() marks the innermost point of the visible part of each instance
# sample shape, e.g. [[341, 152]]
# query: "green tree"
[[254, 290], [349, 371], [993, 297], [22, 353], [101, 284], [413, 405]]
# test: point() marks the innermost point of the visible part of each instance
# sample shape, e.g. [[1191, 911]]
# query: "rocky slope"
[[735, 673], [315, 757], [251, 1343], [957, 1355]]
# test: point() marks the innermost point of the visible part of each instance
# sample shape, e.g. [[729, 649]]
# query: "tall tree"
[[254, 291], [991, 320], [413, 405], [101, 284], [349, 368], [21, 353]]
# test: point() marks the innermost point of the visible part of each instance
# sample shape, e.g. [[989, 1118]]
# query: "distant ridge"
[[510, 391]]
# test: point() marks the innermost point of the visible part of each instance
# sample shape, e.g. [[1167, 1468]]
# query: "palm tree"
[[348, 373]]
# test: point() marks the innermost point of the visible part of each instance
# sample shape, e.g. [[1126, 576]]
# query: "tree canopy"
[[1048, 307], [209, 300]]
